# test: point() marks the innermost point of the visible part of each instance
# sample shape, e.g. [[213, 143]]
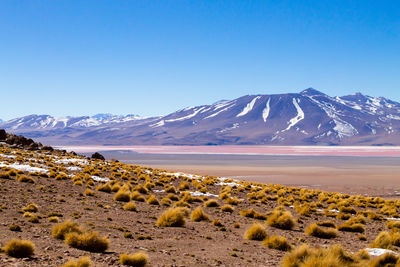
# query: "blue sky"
[[153, 57]]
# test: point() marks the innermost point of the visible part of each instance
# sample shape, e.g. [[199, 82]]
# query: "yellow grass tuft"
[[130, 206], [256, 232], [152, 200], [227, 208], [32, 207], [281, 219], [173, 217], [383, 240], [199, 215], [81, 262], [277, 242], [18, 248], [122, 195], [317, 231], [89, 241], [139, 259], [61, 230], [211, 203]]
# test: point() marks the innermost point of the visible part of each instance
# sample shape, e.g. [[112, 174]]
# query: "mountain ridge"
[[309, 117]]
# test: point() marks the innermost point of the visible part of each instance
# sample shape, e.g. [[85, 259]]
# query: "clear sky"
[[153, 57]]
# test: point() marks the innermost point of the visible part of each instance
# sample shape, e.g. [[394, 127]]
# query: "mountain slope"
[[306, 118]]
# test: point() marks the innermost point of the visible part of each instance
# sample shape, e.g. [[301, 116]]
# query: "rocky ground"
[[71, 187]]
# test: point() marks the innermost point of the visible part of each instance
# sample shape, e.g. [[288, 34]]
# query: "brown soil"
[[195, 244]]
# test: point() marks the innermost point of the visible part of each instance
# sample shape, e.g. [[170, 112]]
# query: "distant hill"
[[306, 118]]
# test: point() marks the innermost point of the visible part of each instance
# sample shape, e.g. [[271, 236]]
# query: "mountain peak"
[[311, 91]]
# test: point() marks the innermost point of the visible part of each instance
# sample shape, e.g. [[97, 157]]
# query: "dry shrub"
[[173, 217], [166, 202], [25, 179], [130, 206], [53, 219], [122, 195], [395, 238], [199, 215], [15, 228], [172, 197], [281, 219], [152, 200], [181, 204], [386, 260], [89, 241], [88, 193], [104, 188], [211, 203], [227, 208], [139, 259], [251, 213], [317, 257], [18, 248], [256, 232], [383, 240], [350, 210], [393, 225], [315, 230], [32, 207], [348, 227], [81, 262], [61, 230], [183, 186], [232, 201], [34, 219], [136, 196], [327, 224], [277, 242], [343, 216], [170, 189]]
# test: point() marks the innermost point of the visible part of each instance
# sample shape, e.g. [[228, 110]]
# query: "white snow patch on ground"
[[200, 194], [393, 219], [181, 174], [8, 156], [23, 167], [299, 117], [379, 251], [228, 184], [266, 111], [67, 161], [74, 168], [100, 179], [248, 107]]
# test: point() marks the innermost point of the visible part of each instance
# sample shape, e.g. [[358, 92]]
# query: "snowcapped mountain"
[[47, 122], [306, 118]]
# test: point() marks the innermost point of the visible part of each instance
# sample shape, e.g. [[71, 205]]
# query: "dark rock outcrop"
[[97, 155]]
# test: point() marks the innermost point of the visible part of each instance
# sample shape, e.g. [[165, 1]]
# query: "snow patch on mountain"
[[266, 111], [248, 107], [186, 117], [219, 111], [299, 117]]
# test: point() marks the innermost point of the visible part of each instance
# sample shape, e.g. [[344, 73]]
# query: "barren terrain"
[[73, 188]]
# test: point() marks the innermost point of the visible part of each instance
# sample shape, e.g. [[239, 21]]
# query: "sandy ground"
[[374, 176]]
